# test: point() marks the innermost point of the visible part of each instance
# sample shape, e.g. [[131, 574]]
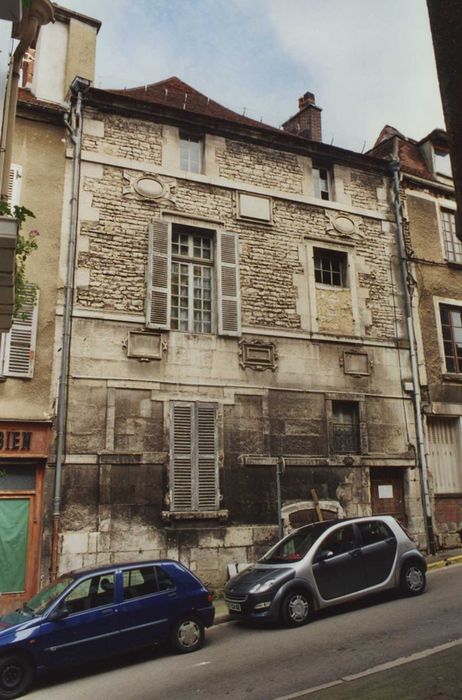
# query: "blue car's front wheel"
[[16, 676]]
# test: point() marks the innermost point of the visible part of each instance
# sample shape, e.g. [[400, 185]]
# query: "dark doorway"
[[387, 493]]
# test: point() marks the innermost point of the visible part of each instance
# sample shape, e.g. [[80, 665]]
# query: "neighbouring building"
[[435, 261], [27, 386]]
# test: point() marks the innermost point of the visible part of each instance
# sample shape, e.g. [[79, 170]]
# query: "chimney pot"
[[306, 99]]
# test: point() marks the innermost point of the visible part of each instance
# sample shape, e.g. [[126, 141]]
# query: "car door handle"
[[110, 611], [355, 553], [172, 595]]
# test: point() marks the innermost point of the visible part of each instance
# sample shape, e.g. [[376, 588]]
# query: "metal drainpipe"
[[280, 469], [74, 124], [422, 458]]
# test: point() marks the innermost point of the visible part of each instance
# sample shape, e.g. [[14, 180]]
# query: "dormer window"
[[442, 163]]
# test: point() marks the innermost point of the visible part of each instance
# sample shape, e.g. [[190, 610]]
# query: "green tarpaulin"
[[14, 520]]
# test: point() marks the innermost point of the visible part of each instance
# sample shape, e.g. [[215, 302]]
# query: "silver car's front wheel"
[[296, 609]]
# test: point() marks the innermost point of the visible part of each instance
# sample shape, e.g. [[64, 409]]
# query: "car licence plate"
[[235, 606]]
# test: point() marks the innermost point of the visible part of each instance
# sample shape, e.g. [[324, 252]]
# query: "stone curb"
[[447, 561]]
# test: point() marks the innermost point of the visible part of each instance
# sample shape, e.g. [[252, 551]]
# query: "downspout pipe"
[[416, 395], [73, 122]]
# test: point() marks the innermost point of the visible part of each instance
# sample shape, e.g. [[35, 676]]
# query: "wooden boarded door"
[[387, 493]]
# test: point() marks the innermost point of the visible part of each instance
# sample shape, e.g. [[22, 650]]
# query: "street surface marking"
[[376, 669]]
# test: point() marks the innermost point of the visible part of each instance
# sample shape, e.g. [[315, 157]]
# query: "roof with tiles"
[[410, 154], [173, 92]]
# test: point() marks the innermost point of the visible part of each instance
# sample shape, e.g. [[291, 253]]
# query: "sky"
[[368, 62]]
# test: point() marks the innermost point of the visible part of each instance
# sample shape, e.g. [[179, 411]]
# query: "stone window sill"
[[221, 515], [457, 378]]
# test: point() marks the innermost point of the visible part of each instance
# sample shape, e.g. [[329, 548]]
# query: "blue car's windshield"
[[42, 600]]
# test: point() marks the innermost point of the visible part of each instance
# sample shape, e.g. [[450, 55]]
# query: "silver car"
[[324, 564]]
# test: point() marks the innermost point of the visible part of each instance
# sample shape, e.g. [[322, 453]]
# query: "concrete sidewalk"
[[436, 675], [434, 561]]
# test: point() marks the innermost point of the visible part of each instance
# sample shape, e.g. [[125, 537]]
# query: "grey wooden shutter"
[[207, 457], [158, 275], [14, 186], [229, 313], [181, 449], [19, 346]]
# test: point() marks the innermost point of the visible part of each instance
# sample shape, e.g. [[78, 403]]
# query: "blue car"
[[96, 612]]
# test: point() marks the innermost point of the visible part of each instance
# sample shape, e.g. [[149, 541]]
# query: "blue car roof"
[[84, 571]]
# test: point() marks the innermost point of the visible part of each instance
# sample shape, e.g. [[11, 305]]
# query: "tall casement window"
[[345, 427], [191, 290], [17, 347], [322, 183], [330, 267], [191, 150], [194, 457], [451, 326], [192, 279], [452, 245]]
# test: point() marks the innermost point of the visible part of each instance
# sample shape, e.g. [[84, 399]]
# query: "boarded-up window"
[[17, 350], [194, 457], [444, 453]]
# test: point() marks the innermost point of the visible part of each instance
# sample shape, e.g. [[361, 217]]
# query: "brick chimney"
[[307, 122]]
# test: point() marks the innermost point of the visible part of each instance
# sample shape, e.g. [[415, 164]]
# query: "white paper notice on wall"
[[385, 490]]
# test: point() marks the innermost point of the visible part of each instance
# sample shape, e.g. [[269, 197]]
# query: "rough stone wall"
[[269, 255], [362, 188], [448, 514], [335, 310], [142, 141], [260, 166]]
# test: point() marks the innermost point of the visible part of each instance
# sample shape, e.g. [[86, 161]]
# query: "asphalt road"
[[241, 661]]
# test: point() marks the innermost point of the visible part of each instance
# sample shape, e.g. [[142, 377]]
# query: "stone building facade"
[[237, 308], [435, 261]]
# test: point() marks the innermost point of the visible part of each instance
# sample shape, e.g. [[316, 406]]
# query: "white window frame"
[[437, 302], [451, 209], [225, 292], [184, 140], [191, 261], [349, 250], [316, 168]]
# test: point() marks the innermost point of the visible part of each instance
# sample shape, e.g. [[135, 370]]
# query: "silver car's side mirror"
[[324, 554]]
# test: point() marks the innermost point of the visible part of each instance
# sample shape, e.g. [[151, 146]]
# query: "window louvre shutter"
[[229, 314], [19, 348], [14, 186], [158, 275], [182, 456], [207, 463]]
